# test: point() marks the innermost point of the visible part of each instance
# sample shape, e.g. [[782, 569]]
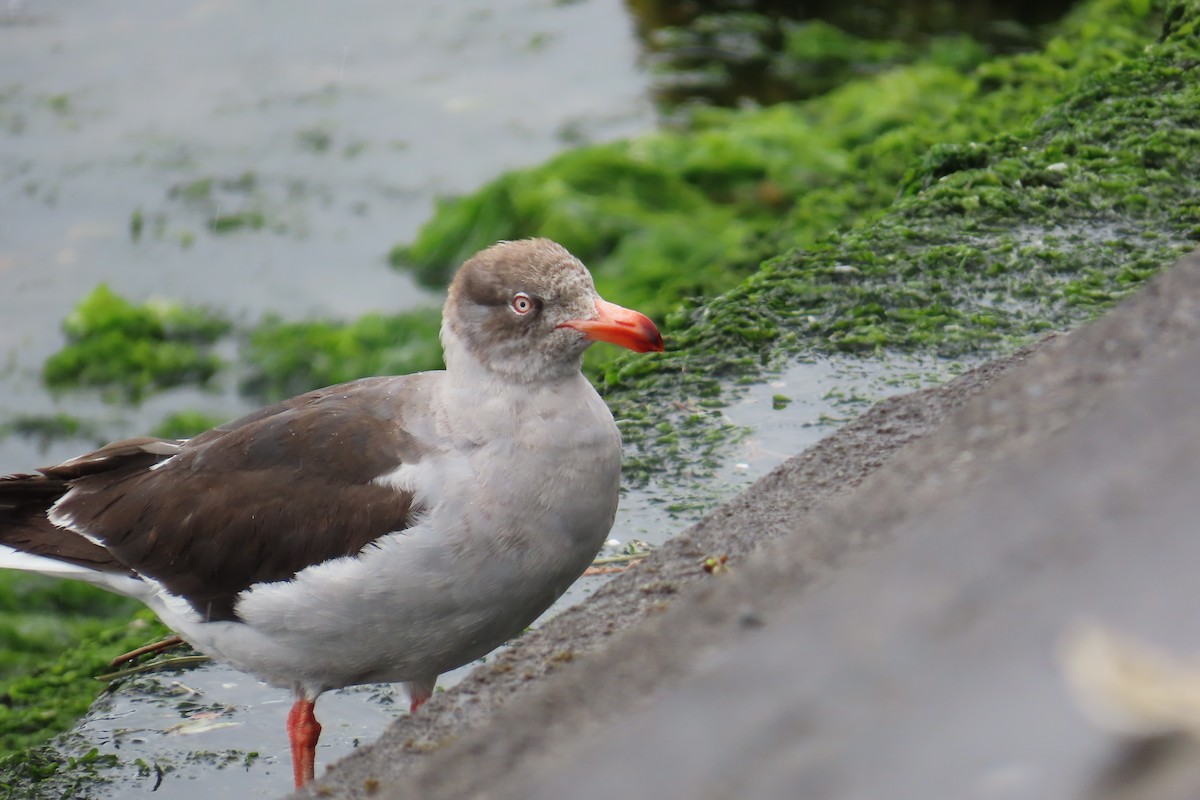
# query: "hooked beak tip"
[[620, 326]]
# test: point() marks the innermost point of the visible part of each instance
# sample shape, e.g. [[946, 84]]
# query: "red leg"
[[419, 692], [303, 733]]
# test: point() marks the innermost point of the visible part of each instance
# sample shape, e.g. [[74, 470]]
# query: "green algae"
[[130, 350], [766, 52], [47, 428], [184, 424], [233, 204], [776, 59], [57, 637], [317, 139], [246, 219], [286, 358], [53, 774]]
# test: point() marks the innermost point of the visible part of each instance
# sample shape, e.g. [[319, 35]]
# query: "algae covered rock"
[[681, 214], [1035, 225]]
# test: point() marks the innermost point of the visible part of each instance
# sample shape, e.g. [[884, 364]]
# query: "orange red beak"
[[620, 326]]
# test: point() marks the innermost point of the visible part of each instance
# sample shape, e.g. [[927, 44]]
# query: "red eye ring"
[[522, 303]]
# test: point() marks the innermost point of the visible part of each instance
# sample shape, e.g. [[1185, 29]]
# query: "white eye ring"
[[522, 303]]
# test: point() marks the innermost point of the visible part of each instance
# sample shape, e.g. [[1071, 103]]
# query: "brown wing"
[[256, 500]]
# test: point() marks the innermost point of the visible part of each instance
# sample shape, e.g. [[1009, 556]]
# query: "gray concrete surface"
[[890, 620]]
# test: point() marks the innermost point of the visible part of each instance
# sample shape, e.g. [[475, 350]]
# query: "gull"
[[383, 530]]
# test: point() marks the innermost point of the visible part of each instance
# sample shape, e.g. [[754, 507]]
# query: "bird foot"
[[303, 733]]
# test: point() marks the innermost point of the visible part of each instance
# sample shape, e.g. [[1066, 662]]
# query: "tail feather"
[[25, 528], [23, 491]]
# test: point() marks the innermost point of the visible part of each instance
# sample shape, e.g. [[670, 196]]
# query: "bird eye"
[[522, 303]]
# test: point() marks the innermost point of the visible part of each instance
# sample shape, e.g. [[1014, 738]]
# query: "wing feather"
[[256, 500]]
